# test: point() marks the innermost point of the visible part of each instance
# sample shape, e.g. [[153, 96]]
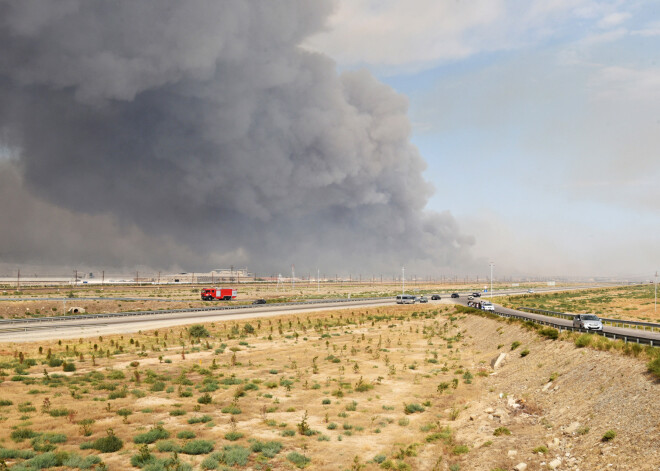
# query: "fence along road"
[[565, 322]]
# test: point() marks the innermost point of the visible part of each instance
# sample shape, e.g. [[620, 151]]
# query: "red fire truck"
[[224, 294]]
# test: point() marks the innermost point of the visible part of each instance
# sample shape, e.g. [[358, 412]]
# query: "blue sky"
[[539, 121]]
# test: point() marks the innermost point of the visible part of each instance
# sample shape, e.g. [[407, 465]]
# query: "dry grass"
[[343, 389]]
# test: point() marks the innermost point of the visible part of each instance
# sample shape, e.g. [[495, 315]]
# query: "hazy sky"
[[540, 121], [352, 136]]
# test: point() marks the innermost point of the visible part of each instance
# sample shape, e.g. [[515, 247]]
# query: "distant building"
[[219, 275]]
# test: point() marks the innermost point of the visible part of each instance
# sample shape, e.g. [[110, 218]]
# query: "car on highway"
[[487, 306], [530, 291], [588, 322], [422, 299], [454, 295], [435, 297], [259, 301], [476, 294], [470, 297]]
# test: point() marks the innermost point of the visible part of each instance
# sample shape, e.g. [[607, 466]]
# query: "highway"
[[610, 331]]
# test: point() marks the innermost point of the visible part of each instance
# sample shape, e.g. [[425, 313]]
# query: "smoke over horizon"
[[197, 135]]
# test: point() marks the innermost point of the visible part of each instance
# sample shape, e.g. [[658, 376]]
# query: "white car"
[[487, 306], [588, 322], [530, 290]]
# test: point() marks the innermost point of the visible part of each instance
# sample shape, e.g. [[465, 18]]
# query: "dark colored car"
[[435, 297], [454, 295], [476, 294], [422, 299], [259, 301]]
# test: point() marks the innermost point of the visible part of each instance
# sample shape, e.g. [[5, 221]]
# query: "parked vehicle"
[[588, 322], [454, 295], [259, 301], [405, 299], [223, 294], [476, 294], [423, 299], [435, 297], [487, 306]]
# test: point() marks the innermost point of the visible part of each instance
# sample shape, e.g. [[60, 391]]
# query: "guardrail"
[[560, 327], [34, 320], [614, 322]]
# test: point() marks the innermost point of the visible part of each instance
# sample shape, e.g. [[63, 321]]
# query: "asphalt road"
[[619, 331], [89, 327]]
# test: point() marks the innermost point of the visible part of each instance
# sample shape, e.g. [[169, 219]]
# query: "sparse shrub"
[[460, 449], [21, 434], [404, 421], [326, 402], [524, 353], [156, 433], [233, 436], [197, 447], [205, 399], [549, 332], [200, 419], [540, 449], [515, 345], [69, 367], [233, 455], [6, 402], [654, 367], [185, 434], [379, 458], [288, 433], [8, 454], [608, 436], [268, 449], [231, 409], [298, 460], [177, 412], [412, 408], [501, 431], [584, 340], [167, 446]]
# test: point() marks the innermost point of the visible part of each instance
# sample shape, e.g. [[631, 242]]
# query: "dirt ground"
[[405, 387]]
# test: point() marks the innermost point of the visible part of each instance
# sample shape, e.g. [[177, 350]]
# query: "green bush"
[[21, 434], [68, 367], [550, 333], [47, 441], [197, 447], [326, 401], [156, 433], [211, 462], [54, 362], [76, 461], [168, 446], [654, 367], [8, 454], [205, 399], [584, 340], [198, 331], [233, 436], [297, 459], [45, 460], [59, 412], [185, 434], [609, 436], [501, 431], [108, 444], [515, 345], [177, 412], [234, 455], [268, 449], [524, 353], [5, 402], [200, 419], [460, 450], [412, 408], [231, 409]]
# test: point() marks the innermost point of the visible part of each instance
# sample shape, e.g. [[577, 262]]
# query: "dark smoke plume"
[[177, 133]]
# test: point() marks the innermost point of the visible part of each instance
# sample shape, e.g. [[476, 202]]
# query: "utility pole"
[[491, 280], [403, 280], [318, 280], [76, 279], [655, 306], [293, 277], [18, 280], [102, 277], [137, 277]]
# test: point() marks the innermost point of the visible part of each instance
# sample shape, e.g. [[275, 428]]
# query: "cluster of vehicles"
[[410, 299], [483, 305]]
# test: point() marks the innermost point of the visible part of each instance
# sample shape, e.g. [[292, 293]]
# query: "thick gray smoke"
[[203, 127]]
